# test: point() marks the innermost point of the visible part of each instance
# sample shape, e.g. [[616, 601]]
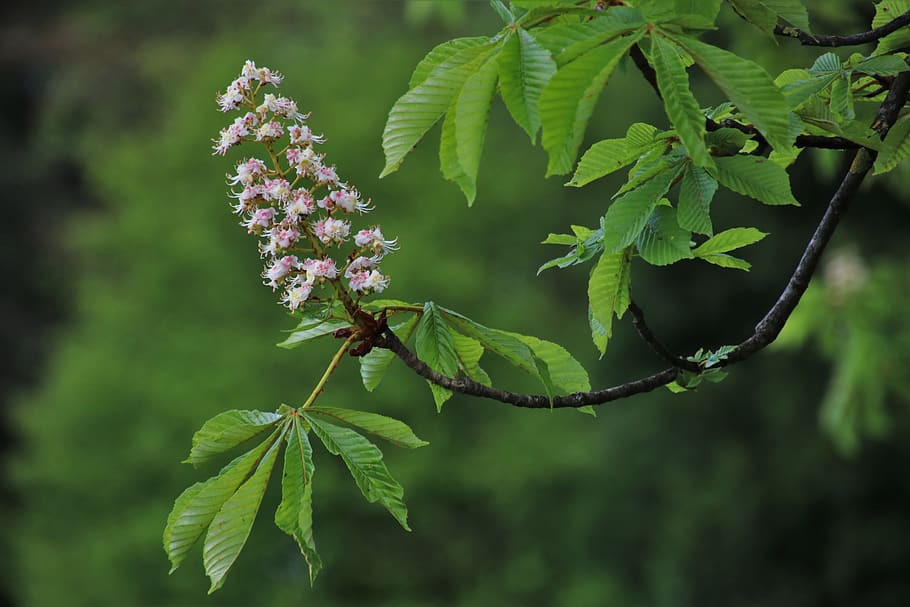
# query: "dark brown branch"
[[530, 401], [765, 331], [644, 331], [825, 143], [641, 62], [802, 141], [851, 40]]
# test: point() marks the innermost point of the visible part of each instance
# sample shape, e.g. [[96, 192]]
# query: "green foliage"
[[662, 241], [568, 101], [681, 105], [226, 431], [557, 370], [380, 426], [231, 526], [765, 14], [628, 214], [436, 348], [755, 177], [295, 512], [609, 155], [885, 11], [227, 504], [525, 67], [747, 85], [364, 461], [696, 191], [309, 329], [421, 107], [608, 295]]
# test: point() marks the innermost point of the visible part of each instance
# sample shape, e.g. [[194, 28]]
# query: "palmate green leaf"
[[196, 507], [396, 432], [469, 351], [747, 85], [608, 295], [435, 347], [568, 100], [548, 362], [663, 242], [696, 191], [628, 214], [227, 430], [324, 328], [885, 11], [440, 54], [679, 102], [729, 240], [756, 177], [609, 155], [231, 527], [896, 146], [295, 512], [422, 106], [472, 109], [525, 67], [364, 461], [373, 365]]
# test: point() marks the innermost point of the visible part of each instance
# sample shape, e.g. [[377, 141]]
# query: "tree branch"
[[766, 331], [467, 386], [802, 141], [852, 40]]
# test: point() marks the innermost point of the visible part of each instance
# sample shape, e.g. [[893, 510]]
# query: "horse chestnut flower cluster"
[[293, 200]]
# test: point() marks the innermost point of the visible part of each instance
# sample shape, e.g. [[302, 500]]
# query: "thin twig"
[[641, 62], [808, 39], [644, 331], [333, 364]]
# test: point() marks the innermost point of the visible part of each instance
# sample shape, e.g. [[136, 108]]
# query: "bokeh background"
[[132, 311]]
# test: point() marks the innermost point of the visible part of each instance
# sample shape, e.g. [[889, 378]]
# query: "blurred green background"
[[133, 311]]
